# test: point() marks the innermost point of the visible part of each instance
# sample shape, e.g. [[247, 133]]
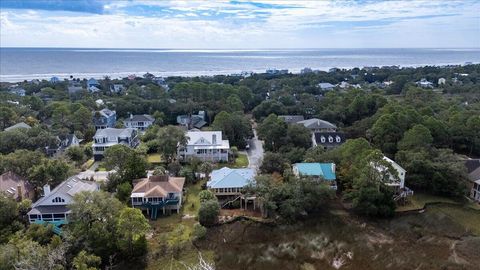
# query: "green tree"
[[206, 195], [208, 213], [7, 117], [234, 104], [86, 261], [132, 225], [272, 130], [417, 137], [124, 191], [169, 138], [273, 162]]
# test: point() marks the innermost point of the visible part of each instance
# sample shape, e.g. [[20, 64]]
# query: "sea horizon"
[[27, 63]]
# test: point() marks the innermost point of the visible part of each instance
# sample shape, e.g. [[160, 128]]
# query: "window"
[[338, 139], [58, 200], [330, 139], [322, 139]]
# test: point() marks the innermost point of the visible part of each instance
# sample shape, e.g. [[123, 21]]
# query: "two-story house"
[[158, 192], [324, 133], [107, 137], [53, 206], [228, 184], [61, 144], [104, 118], [394, 179], [206, 146], [324, 172], [140, 121]]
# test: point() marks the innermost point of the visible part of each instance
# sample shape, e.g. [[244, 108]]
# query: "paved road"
[[255, 153]]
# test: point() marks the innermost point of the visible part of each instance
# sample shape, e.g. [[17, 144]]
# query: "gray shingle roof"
[[114, 132], [315, 123], [140, 118], [292, 118], [18, 125]]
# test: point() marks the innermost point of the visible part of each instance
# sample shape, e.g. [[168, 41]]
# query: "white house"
[[108, 137], [116, 88], [140, 121], [397, 182], [53, 206], [158, 192], [473, 170], [424, 83], [442, 81], [326, 86], [205, 145]]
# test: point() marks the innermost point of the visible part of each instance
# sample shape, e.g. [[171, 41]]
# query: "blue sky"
[[239, 24]]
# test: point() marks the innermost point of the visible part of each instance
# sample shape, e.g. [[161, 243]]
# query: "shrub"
[[208, 213], [199, 232], [206, 195]]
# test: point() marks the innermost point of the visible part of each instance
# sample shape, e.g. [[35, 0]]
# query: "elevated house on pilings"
[[228, 186], [158, 194]]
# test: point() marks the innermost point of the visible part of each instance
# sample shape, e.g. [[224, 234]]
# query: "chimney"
[[131, 116], [46, 190], [19, 192]]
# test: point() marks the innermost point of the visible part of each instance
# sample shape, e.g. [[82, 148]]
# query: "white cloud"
[[220, 24]]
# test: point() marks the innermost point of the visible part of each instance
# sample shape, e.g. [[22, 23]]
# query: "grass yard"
[[240, 162], [170, 246], [88, 163], [465, 216], [154, 158], [418, 201]]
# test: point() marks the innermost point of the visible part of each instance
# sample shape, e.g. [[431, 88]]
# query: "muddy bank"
[[430, 240]]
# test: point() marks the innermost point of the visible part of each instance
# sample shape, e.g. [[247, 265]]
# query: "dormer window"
[[338, 139], [322, 139], [58, 200], [330, 139]]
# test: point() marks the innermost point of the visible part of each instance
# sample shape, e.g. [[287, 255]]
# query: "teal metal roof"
[[325, 170]]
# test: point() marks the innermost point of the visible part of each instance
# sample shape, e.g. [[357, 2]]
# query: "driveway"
[[97, 175], [255, 153]]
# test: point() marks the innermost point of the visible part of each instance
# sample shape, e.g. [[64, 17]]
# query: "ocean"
[[17, 64]]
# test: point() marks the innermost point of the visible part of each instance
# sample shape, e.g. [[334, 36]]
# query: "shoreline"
[[17, 78]]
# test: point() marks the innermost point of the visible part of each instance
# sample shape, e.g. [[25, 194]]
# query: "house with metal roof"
[[105, 138], [104, 118], [326, 86], [291, 119], [325, 172], [92, 82], [18, 125], [158, 192], [205, 145], [53, 206], [139, 121], [228, 184]]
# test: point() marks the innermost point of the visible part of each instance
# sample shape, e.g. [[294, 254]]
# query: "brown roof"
[[11, 184], [158, 186]]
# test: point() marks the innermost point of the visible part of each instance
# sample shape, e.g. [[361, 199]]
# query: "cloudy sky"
[[239, 24]]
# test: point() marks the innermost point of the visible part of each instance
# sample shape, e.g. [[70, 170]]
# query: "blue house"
[[54, 80], [92, 82], [104, 118], [228, 184], [324, 172]]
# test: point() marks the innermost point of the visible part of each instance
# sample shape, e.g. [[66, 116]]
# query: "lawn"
[[465, 216], [240, 162], [418, 201], [170, 246], [154, 158]]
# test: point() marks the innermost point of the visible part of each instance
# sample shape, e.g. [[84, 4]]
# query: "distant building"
[[107, 137], [306, 70], [193, 121], [291, 119], [15, 186], [442, 81], [326, 86], [54, 80], [61, 144], [275, 71], [206, 146], [473, 170], [139, 121], [18, 125], [19, 91], [333, 70], [116, 88], [104, 118], [92, 82], [318, 125], [324, 172], [94, 89], [74, 87], [424, 83], [158, 193], [53, 206]]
